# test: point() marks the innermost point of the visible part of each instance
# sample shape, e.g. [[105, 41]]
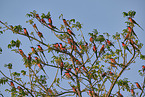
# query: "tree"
[[85, 66]]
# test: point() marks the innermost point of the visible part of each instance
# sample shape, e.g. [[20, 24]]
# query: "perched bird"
[[40, 35], [61, 67], [68, 75], [34, 51], [35, 27], [132, 91], [12, 84], [109, 43], [138, 86], [43, 21], [92, 39], [143, 68], [134, 22], [22, 53], [119, 94], [40, 49], [132, 31], [40, 66], [104, 74], [29, 58], [65, 23], [49, 20], [101, 50], [19, 88], [113, 61], [70, 32], [74, 89], [78, 62], [95, 50], [37, 16], [27, 34], [125, 47]]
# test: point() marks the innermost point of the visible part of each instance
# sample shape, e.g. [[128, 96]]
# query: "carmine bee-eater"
[[143, 68], [35, 27], [70, 32], [127, 36], [49, 20], [111, 73], [132, 91], [138, 86], [78, 62], [133, 45], [131, 31], [37, 16], [109, 43], [29, 58], [85, 69], [101, 50], [92, 39], [19, 88], [41, 51], [61, 67], [43, 21], [134, 22], [40, 66], [65, 23], [104, 74], [68, 75], [125, 47], [95, 50], [27, 34], [74, 89], [34, 51], [40, 36], [50, 91], [22, 53], [12, 84], [113, 61], [119, 94]]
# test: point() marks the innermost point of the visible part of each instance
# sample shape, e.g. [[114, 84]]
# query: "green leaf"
[[0, 50], [142, 57], [100, 38], [23, 72], [1, 32], [125, 14]]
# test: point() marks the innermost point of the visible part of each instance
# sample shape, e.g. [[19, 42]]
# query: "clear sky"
[[104, 15]]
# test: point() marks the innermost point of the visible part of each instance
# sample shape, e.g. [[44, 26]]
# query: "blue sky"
[[103, 15]]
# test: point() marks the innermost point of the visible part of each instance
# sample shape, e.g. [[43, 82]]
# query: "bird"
[[104, 74], [65, 23], [143, 68], [132, 91], [92, 39], [125, 47], [37, 16], [40, 35], [12, 84], [49, 20], [40, 49], [27, 34], [61, 67], [22, 53], [74, 89], [34, 51], [35, 27], [40, 66], [138, 86], [101, 50], [132, 31], [109, 43], [134, 22], [95, 50]]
